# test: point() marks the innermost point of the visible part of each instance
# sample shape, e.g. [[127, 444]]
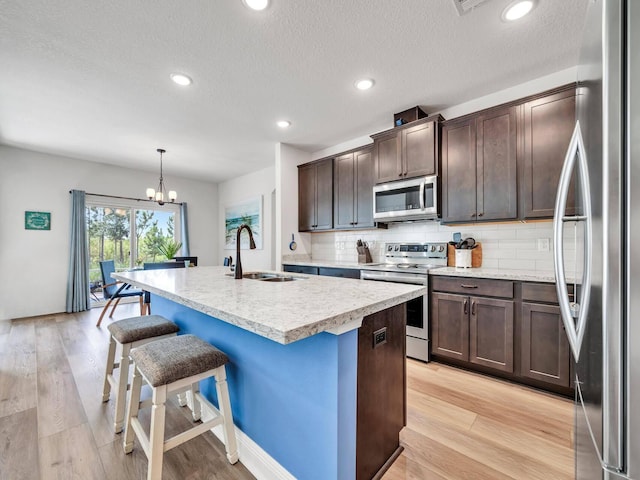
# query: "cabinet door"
[[491, 333], [450, 325], [324, 195], [459, 172], [419, 150], [497, 180], [544, 349], [306, 197], [388, 159], [548, 126], [365, 180], [343, 191]]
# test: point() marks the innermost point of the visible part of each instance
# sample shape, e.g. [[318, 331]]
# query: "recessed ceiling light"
[[181, 79], [517, 9], [283, 123], [256, 4], [364, 84]]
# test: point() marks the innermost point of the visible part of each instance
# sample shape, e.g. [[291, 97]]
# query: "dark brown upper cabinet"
[[459, 171], [315, 196], [353, 189], [408, 151], [479, 167], [548, 124]]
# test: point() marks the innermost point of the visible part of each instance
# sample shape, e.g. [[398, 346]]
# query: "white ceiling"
[[90, 79]]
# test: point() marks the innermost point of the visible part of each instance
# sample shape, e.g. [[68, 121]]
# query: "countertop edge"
[[283, 337]]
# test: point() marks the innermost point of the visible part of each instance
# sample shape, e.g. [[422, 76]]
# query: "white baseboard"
[[258, 462]]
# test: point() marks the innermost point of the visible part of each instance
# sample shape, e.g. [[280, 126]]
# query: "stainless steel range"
[[410, 263]]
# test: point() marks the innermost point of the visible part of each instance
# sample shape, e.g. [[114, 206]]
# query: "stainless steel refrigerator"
[[601, 175]]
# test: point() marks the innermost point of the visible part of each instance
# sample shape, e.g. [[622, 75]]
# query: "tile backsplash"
[[511, 245]]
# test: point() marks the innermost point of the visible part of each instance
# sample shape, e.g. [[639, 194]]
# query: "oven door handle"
[[414, 280]]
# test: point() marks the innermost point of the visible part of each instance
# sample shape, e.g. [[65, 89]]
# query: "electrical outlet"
[[543, 244], [379, 337]]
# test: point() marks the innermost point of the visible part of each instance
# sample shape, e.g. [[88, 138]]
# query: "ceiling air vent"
[[465, 6]]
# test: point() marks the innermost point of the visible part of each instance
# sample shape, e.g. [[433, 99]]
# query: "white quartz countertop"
[[281, 311], [495, 273]]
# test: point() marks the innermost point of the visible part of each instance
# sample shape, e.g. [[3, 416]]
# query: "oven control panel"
[[416, 250]]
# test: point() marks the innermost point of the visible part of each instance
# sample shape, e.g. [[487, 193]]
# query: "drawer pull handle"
[[463, 285]]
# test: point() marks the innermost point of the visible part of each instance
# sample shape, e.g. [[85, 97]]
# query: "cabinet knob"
[[480, 214], [355, 223], [400, 174], [473, 215]]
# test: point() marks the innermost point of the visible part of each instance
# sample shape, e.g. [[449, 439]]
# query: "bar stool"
[[175, 365], [130, 333]]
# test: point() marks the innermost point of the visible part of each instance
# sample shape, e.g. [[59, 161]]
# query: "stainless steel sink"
[[268, 277]]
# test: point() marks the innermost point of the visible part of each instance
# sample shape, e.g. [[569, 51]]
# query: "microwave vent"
[[465, 6]]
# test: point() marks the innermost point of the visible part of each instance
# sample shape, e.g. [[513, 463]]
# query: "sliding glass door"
[[126, 234]]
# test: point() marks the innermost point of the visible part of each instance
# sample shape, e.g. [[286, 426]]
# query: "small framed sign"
[[37, 220]]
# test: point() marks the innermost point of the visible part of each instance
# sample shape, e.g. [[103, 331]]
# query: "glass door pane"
[[153, 229], [108, 233]]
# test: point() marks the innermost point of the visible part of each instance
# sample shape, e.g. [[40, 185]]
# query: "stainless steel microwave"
[[413, 199]]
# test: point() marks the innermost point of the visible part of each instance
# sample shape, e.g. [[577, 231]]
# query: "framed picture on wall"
[[37, 220], [248, 211]]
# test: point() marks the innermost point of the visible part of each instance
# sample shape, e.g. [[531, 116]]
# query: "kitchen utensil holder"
[[364, 255], [463, 258]]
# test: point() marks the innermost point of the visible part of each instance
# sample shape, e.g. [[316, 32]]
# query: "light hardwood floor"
[[53, 424], [463, 425]]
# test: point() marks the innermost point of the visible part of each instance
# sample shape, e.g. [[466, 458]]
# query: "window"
[[118, 230]]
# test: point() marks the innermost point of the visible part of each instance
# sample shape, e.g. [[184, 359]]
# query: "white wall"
[[35, 263], [242, 188], [287, 160]]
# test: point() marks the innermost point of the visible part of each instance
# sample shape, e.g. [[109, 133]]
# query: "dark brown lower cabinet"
[[508, 329], [381, 389], [450, 325], [544, 345], [491, 333], [473, 329]]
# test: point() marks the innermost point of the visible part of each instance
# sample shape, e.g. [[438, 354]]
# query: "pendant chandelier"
[[160, 195]]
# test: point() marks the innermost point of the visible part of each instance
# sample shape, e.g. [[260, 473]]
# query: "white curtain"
[[78, 279]]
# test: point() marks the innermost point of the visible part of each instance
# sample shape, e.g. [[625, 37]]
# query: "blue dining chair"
[[115, 290], [146, 308]]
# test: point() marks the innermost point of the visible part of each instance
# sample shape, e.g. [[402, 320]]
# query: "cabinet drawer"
[[542, 292], [473, 286]]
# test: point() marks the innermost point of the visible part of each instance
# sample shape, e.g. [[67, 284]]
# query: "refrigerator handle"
[[574, 314]]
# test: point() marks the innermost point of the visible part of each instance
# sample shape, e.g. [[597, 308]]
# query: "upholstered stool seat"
[[130, 333], [175, 365]]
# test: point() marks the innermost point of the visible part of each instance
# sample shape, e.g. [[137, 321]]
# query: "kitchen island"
[[316, 373]]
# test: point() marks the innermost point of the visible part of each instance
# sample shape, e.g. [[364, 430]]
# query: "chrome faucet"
[[252, 246]]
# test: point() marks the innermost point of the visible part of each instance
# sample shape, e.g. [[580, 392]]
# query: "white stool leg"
[[225, 409], [123, 382], [111, 356], [156, 437], [132, 411], [182, 399], [196, 407]]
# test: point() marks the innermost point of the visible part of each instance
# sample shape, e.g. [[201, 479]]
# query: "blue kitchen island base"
[[299, 402], [296, 401]]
